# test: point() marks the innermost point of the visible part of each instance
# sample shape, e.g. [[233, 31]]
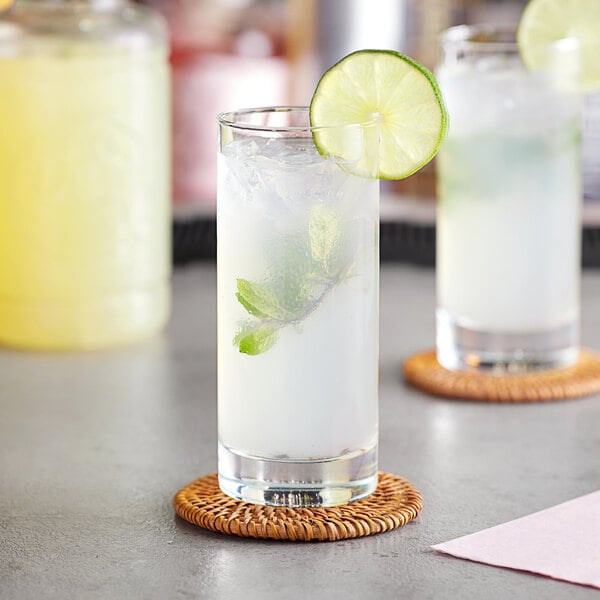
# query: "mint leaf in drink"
[[257, 340], [259, 300], [324, 234], [303, 269], [292, 274], [256, 337]]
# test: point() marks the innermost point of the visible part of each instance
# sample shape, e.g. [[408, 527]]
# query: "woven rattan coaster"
[[394, 503], [582, 379]]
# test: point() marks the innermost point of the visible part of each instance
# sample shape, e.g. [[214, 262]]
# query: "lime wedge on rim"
[[394, 93], [545, 22]]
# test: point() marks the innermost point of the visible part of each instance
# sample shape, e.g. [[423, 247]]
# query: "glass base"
[[293, 483], [461, 348]]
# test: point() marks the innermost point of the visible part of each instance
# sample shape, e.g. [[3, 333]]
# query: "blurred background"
[[229, 54], [232, 54]]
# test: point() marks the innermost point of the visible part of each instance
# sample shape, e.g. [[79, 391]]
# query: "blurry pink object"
[[225, 55], [204, 85]]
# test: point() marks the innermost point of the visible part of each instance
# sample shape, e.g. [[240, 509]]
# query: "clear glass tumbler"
[[298, 250], [509, 212]]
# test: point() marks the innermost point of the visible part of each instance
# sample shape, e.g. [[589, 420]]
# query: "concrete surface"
[[93, 447]]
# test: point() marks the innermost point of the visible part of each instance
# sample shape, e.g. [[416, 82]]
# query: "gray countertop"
[[94, 446]]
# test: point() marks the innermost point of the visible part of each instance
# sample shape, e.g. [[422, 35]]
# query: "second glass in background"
[[509, 213]]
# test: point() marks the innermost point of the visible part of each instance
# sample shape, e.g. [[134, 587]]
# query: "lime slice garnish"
[[545, 22], [397, 95]]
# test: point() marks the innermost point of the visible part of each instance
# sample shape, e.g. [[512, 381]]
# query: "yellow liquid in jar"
[[84, 198]]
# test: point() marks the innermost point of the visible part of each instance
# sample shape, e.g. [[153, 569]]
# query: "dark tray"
[[196, 240]]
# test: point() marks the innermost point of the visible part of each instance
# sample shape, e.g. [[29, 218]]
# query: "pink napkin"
[[562, 542]]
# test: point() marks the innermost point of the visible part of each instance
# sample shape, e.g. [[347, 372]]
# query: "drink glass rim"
[[477, 35], [238, 119], [494, 37]]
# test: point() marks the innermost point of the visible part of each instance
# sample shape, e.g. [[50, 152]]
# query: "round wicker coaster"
[[394, 503], [582, 379]]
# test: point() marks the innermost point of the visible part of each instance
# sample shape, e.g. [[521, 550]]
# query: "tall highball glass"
[[298, 249], [509, 225]]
